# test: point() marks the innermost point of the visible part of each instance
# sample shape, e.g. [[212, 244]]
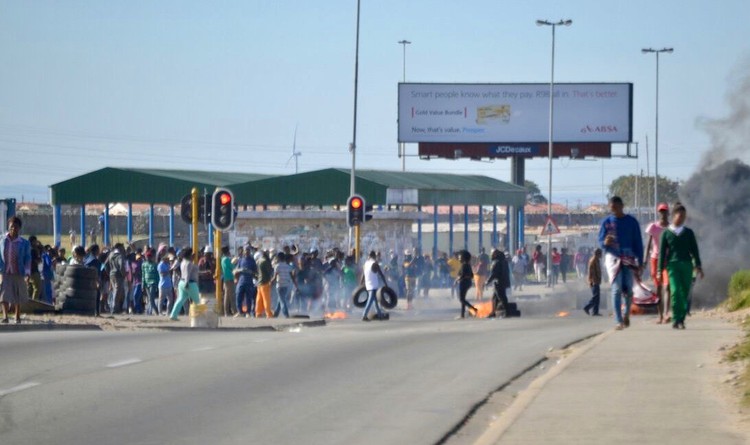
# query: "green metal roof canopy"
[[141, 185], [331, 187]]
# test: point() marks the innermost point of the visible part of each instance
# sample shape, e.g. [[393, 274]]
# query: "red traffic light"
[[356, 203], [225, 199]]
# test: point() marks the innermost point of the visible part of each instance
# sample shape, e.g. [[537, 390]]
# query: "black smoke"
[[717, 196]]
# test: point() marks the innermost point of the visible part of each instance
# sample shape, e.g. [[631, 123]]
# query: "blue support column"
[[171, 225], [83, 225], [495, 242], [435, 232], [450, 230], [210, 230], [419, 227], [130, 222], [151, 225], [521, 223], [481, 228], [466, 227], [506, 238], [57, 222], [106, 225]]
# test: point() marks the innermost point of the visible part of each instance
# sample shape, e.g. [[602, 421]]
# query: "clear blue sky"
[[221, 85]]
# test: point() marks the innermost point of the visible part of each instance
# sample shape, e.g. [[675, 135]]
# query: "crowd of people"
[[160, 280]]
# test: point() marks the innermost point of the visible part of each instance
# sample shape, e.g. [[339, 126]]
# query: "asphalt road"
[[405, 381]]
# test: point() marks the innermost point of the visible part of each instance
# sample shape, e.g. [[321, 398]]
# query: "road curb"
[[32, 327], [49, 327], [496, 430]]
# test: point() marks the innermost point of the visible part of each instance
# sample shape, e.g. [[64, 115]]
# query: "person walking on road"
[[620, 239], [117, 272], [678, 255], [166, 286], [595, 282], [227, 283], [245, 290], [500, 276], [481, 270], [373, 280], [15, 269], [661, 281], [540, 262], [463, 283], [150, 273], [265, 275], [188, 287], [284, 278]]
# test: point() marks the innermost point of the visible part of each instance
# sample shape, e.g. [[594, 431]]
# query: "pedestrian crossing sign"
[[550, 227]]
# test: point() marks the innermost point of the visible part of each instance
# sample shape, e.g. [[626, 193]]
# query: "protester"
[[92, 261], [620, 239], [556, 261], [206, 268], [373, 279], [540, 264], [15, 268], [166, 286], [499, 275], [117, 272], [265, 274], [564, 264], [188, 287], [410, 278], [595, 281], [35, 279], [678, 255], [518, 266], [227, 283], [151, 282], [285, 281], [661, 281], [463, 283], [481, 270], [245, 290]]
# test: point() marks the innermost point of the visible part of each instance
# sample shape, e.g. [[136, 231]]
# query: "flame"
[[338, 315], [563, 314], [483, 309]]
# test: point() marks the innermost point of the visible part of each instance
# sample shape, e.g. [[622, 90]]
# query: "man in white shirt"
[[373, 280]]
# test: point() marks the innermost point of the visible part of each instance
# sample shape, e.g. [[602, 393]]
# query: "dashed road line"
[[21, 387], [130, 361]]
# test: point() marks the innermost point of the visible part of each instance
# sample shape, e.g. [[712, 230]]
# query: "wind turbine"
[[295, 154]]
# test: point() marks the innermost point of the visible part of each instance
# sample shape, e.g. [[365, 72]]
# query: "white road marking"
[[130, 361], [204, 348], [21, 387]]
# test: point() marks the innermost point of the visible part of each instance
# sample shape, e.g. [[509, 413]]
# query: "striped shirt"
[[283, 272]]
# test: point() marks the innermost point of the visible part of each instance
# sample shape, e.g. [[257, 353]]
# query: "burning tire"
[[388, 297], [359, 297]]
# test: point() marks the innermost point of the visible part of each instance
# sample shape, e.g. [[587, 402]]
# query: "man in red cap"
[[661, 281]]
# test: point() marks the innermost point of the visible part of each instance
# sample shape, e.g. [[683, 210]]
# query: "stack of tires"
[[77, 289]]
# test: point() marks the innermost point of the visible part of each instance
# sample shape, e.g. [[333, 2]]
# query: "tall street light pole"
[[656, 148], [402, 148], [554, 26], [353, 144]]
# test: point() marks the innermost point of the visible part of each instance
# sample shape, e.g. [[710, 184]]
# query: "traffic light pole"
[[196, 221], [219, 287], [357, 254]]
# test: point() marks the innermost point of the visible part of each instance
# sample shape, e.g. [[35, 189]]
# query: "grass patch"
[[739, 291], [739, 298]]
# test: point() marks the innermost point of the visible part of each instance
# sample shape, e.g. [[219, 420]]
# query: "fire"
[[338, 315], [483, 309], [563, 314]]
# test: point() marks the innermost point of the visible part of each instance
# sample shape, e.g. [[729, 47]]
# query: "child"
[[595, 281], [678, 251]]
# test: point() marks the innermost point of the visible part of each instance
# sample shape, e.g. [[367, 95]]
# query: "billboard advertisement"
[[514, 113]]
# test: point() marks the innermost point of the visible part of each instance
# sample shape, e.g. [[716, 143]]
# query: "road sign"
[[550, 227]]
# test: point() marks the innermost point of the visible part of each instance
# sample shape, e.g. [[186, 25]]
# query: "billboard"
[[514, 113]]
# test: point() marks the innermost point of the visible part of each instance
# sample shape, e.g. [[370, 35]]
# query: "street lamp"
[[554, 25], [656, 150], [402, 149]]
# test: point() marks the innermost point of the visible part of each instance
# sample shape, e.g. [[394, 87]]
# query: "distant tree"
[[625, 187], [533, 193]]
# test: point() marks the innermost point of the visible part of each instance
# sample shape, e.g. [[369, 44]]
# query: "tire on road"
[[80, 294], [359, 297], [388, 298], [77, 283], [81, 272], [79, 306]]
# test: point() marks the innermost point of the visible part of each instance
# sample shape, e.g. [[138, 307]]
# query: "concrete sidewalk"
[[649, 384]]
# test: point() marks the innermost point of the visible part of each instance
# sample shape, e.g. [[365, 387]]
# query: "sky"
[[222, 85]]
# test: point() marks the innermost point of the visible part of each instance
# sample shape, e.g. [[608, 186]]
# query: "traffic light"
[[355, 210], [222, 209], [204, 209], [186, 209]]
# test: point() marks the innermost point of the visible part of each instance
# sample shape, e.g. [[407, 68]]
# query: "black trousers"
[[593, 304], [463, 289], [499, 299]]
